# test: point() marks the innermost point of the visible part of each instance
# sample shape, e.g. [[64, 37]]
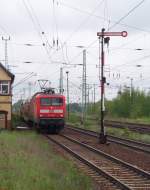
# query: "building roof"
[[8, 72]]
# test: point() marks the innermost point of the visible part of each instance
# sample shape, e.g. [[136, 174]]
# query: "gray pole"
[[6, 55], [88, 93], [131, 90], [68, 109], [131, 85], [29, 89], [24, 93], [84, 88], [61, 81], [94, 96]]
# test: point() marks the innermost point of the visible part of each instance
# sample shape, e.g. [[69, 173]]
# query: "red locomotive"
[[46, 111]]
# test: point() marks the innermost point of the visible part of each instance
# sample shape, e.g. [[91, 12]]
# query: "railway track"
[[113, 172], [141, 128], [139, 146]]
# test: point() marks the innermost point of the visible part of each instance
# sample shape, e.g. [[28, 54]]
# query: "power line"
[[86, 47], [81, 24], [37, 21], [127, 14], [102, 18], [37, 25], [133, 61], [56, 25], [3, 29], [84, 21], [118, 22], [24, 79]]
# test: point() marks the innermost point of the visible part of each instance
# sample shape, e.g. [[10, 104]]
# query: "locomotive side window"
[[51, 101]]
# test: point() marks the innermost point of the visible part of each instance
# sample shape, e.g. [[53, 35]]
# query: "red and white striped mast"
[[104, 37]]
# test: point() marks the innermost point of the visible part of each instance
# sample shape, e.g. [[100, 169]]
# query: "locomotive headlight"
[[58, 111], [41, 115]]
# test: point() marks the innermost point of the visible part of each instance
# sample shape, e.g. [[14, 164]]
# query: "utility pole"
[[29, 83], [61, 88], [88, 93], [104, 40], [84, 88], [131, 86], [6, 50], [61, 81], [94, 95], [24, 93], [68, 108], [131, 90]]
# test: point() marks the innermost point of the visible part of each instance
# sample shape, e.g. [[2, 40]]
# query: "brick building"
[[6, 80]]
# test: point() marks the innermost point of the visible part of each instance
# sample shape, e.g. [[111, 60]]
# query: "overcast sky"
[[73, 24]]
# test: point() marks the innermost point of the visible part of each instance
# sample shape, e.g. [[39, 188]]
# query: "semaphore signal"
[[123, 34], [102, 35]]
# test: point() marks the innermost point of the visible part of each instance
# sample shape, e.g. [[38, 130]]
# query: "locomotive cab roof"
[[41, 94]]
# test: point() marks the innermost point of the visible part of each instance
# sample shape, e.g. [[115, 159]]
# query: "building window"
[[4, 87]]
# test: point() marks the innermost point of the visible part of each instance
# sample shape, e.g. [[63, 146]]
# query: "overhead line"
[[127, 14], [73, 84], [133, 61], [35, 25], [4, 30], [102, 18], [118, 22], [24, 79], [81, 24], [36, 18]]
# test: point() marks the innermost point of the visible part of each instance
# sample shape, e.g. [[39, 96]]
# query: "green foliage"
[[16, 120], [128, 104], [93, 109], [16, 106], [74, 118], [75, 107]]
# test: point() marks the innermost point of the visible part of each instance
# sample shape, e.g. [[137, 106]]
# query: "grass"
[[28, 163], [142, 120], [128, 134], [76, 118], [124, 133], [93, 125]]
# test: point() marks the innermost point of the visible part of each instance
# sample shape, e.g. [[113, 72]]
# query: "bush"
[[129, 105]]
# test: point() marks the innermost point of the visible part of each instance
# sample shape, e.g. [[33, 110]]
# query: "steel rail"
[[129, 123], [112, 158], [97, 169], [131, 141], [122, 141], [144, 128]]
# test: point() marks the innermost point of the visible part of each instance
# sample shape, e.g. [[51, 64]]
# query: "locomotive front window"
[[45, 101], [57, 101], [51, 101]]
